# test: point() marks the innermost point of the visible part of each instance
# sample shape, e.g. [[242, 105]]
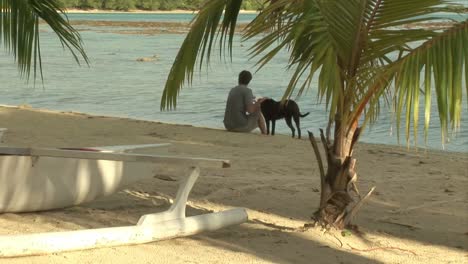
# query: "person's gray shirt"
[[236, 106]]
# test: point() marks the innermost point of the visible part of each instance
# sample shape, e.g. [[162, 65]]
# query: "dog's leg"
[[298, 123], [273, 123], [268, 126], [289, 123]]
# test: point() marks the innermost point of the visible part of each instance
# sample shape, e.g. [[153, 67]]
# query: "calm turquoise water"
[[147, 17], [118, 85]]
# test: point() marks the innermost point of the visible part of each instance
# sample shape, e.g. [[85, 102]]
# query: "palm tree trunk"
[[338, 203]]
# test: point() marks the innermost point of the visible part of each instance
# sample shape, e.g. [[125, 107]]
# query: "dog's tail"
[[304, 115]]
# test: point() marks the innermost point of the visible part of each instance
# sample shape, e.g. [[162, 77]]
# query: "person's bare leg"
[[262, 124]]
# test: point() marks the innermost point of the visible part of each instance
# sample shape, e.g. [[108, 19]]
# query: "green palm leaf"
[[358, 48], [200, 40], [19, 31], [442, 59]]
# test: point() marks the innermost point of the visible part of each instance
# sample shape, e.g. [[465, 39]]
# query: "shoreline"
[[138, 11], [410, 150]]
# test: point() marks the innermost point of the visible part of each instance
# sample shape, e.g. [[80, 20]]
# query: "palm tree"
[[19, 32], [363, 51]]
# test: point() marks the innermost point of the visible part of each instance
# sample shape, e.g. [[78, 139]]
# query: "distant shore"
[[138, 11]]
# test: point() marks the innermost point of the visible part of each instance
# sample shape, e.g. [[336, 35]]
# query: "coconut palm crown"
[[363, 51], [358, 48]]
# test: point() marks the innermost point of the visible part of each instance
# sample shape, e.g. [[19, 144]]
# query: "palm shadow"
[[434, 212], [253, 238]]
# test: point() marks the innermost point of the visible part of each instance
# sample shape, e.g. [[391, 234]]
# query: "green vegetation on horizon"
[[148, 4]]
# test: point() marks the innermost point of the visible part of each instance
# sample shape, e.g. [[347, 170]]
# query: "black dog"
[[273, 111]]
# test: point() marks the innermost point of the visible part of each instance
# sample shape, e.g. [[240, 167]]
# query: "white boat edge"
[[118, 156]]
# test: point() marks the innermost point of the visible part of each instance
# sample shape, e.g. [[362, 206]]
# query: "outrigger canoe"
[[37, 179]]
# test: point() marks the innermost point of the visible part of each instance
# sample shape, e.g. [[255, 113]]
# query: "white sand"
[[418, 214]]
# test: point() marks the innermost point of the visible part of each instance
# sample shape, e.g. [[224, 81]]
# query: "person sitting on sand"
[[243, 113]]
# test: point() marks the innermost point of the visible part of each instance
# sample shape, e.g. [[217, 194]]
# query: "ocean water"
[[147, 17], [116, 84]]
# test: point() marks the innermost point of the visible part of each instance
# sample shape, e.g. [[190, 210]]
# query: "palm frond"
[[359, 48], [205, 27], [19, 31], [389, 30], [441, 59], [387, 27], [306, 29]]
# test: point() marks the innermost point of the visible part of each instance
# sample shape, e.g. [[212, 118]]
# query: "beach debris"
[[354, 210], [24, 106], [411, 227], [341, 243], [281, 241], [355, 230], [310, 225], [164, 177], [148, 59], [346, 233], [381, 248], [276, 226]]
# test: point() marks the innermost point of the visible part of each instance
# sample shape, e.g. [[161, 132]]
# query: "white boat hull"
[[150, 227], [34, 179], [43, 183], [56, 242], [44, 179]]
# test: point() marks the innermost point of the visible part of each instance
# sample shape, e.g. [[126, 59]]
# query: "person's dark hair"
[[245, 77]]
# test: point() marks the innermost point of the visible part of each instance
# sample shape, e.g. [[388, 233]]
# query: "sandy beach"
[[418, 213]]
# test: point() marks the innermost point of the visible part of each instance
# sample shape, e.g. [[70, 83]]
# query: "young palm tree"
[[362, 50], [19, 31]]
